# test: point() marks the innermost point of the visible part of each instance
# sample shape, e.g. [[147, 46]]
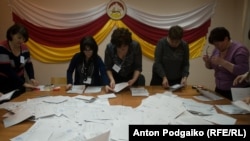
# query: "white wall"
[[228, 13]]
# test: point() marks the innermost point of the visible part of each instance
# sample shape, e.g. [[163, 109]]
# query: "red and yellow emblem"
[[116, 9]]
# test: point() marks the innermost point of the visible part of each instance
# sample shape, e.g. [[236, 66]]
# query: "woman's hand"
[[131, 82], [205, 58], [108, 89], [184, 81], [217, 60], [112, 84], [34, 82], [247, 100], [68, 87], [239, 79], [207, 61], [165, 82]]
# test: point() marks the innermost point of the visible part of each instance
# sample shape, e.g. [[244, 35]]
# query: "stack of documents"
[[139, 91], [232, 109], [241, 104], [240, 93], [45, 87], [237, 106], [77, 89], [93, 89], [175, 87], [207, 95]]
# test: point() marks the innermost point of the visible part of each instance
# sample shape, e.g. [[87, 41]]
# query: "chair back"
[[58, 80]]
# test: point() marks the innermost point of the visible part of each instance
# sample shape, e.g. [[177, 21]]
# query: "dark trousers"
[[225, 93], [157, 80], [7, 85], [139, 82]]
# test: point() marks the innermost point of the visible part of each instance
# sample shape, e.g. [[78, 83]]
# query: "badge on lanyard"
[[21, 59], [116, 68], [88, 81]]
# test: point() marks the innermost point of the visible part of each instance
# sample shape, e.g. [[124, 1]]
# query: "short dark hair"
[[218, 34], [15, 29], [121, 36], [90, 42], [175, 33]]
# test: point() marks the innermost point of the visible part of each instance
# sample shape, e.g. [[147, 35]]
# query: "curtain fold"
[[62, 37], [55, 36], [48, 18], [188, 20]]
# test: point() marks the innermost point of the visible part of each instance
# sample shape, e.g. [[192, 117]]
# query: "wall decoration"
[[55, 36], [116, 9]]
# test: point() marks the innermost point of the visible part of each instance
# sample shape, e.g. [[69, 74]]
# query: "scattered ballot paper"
[[7, 96], [102, 137], [232, 109], [83, 97], [241, 104], [139, 91], [55, 99], [107, 96], [87, 99], [19, 116]]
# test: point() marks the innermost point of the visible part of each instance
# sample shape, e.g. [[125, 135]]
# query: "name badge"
[[21, 59], [116, 68], [88, 81]]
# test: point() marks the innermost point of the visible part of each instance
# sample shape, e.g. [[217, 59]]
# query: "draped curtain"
[[55, 37]]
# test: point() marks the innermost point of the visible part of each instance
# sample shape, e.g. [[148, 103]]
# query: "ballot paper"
[[107, 96], [236, 107], [55, 99], [232, 109], [220, 119], [241, 104], [87, 99], [207, 95], [17, 117], [175, 87], [240, 93], [102, 137], [78, 89], [120, 86], [93, 89], [139, 91], [7, 96], [83, 97], [44, 87]]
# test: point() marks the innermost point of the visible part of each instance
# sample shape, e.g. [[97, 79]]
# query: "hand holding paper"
[[120, 86]]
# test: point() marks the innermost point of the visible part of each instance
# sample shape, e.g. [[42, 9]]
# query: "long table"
[[124, 98]]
